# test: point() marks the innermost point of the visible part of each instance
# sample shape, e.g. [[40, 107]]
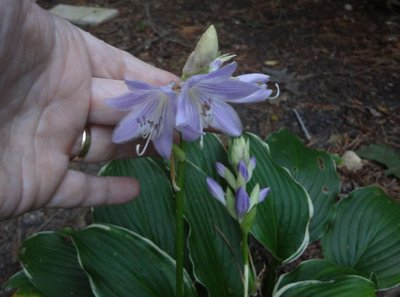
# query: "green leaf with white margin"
[[348, 286], [214, 239], [365, 235], [315, 170], [152, 213], [20, 283], [121, 263], [50, 262], [283, 218], [316, 270]]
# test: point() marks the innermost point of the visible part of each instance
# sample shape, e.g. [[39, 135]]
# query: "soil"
[[337, 63]]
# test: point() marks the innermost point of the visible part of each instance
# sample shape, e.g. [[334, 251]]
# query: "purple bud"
[[242, 169], [216, 190], [242, 202], [263, 194], [220, 169], [253, 162]]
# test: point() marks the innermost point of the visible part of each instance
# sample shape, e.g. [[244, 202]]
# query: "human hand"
[[54, 81]]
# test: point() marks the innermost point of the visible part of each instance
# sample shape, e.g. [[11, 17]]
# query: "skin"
[[54, 80]]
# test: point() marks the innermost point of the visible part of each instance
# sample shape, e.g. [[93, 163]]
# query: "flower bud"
[[205, 52], [239, 150], [242, 203], [216, 190]]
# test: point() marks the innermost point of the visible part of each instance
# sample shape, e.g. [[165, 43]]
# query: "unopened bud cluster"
[[236, 198]]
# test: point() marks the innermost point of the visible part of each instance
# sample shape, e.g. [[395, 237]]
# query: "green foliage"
[[152, 213], [314, 170], [139, 267], [130, 250], [51, 265], [366, 236], [24, 288], [282, 220], [384, 155]]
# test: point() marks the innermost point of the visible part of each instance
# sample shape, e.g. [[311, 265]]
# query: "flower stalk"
[[246, 272], [180, 234]]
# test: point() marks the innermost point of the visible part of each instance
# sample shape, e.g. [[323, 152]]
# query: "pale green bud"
[[239, 150], [230, 202], [254, 196], [205, 52]]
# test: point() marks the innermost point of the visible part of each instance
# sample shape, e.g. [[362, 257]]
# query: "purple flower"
[[152, 116], [242, 202], [216, 190], [202, 102]]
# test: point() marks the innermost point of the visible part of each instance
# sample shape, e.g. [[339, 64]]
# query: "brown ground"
[[337, 63]]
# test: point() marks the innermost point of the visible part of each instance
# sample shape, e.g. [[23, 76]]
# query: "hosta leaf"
[[283, 218], [349, 286], [384, 155], [316, 270], [214, 239], [315, 170], [121, 263], [50, 262], [152, 213], [365, 235], [20, 283]]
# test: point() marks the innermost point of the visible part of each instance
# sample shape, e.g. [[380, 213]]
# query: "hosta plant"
[[205, 200]]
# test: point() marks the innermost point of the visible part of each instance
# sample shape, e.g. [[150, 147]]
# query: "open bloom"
[[152, 116], [202, 102]]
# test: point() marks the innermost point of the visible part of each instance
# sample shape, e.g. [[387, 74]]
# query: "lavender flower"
[[152, 116], [202, 102]]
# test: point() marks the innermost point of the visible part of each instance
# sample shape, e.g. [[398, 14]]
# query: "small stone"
[[348, 7], [351, 161], [84, 15]]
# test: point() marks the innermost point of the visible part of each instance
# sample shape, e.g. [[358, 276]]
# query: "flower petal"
[[216, 190], [129, 100], [223, 89], [135, 85], [224, 72], [260, 95], [128, 129], [187, 110], [225, 119], [188, 120], [163, 142], [189, 134], [253, 78], [242, 202]]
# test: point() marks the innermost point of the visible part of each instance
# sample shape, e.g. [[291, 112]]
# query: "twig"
[[302, 126]]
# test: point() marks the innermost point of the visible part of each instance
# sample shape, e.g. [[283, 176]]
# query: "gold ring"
[[85, 145]]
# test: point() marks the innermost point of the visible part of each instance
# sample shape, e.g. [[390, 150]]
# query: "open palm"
[[55, 82]]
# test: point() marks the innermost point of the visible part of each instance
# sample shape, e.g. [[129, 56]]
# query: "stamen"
[[278, 92], [141, 153]]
